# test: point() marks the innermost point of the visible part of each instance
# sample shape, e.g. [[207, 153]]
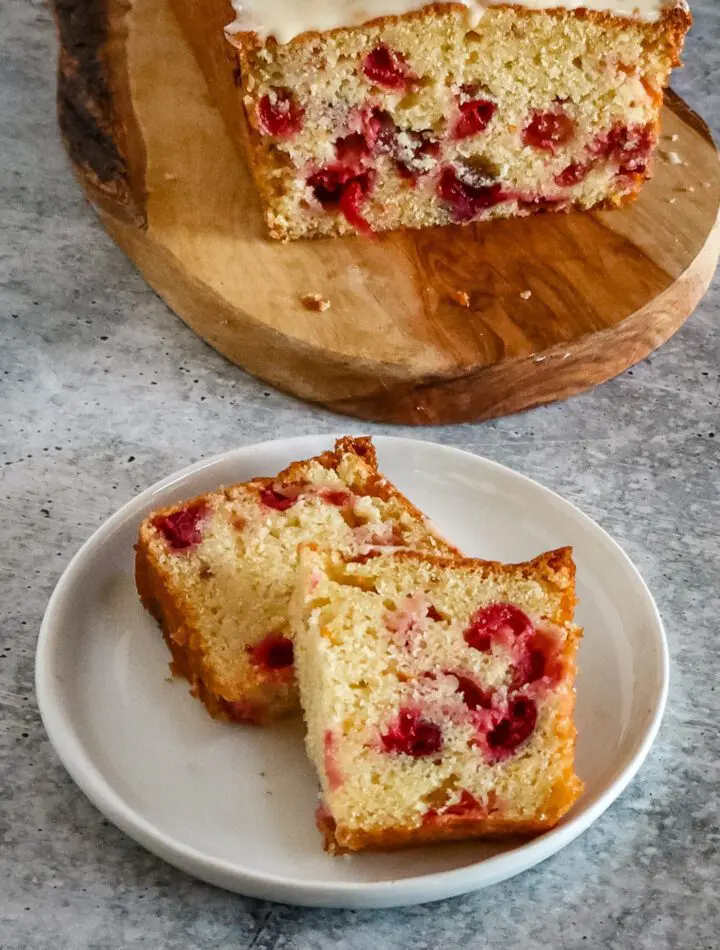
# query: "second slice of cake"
[[438, 694]]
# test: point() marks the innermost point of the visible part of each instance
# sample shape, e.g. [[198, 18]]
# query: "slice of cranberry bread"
[[217, 572], [451, 112], [438, 694]]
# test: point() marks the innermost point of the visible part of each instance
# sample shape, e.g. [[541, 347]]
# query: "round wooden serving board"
[[606, 288]]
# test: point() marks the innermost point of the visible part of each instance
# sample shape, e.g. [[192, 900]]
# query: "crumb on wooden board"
[[461, 298], [315, 302]]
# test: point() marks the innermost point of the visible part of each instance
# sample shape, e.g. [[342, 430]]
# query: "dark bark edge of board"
[[95, 116]]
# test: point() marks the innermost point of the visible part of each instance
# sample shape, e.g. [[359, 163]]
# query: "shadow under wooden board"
[[154, 155]]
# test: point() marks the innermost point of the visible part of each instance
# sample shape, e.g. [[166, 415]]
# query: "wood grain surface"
[[146, 136]]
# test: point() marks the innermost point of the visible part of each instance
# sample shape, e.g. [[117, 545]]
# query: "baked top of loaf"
[[284, 20], [438, 694], [217, 571]]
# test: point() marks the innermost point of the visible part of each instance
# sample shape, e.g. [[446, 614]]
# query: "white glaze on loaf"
[[286, 19]]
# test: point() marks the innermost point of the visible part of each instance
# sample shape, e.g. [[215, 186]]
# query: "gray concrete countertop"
[[85, 343]]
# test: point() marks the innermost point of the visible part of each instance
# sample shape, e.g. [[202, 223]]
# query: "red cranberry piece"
[[572, 175], [381, 136], [339, 188], [604, 145], [513, 729], [337, 497], [353, 150], [501, 622], [273, 652], [636, 147], [467, 201], [474, 696], [181, 529], [542, 659], [629, 146], [434, 614], [468, 803], [332, 769], [413, 735], [371, 130], [381, 131], [279, 114], [328, 183], [351, 200], [474, 118], [636, 168], [272, 498], [529, 668], [386, 68], [548, 130]]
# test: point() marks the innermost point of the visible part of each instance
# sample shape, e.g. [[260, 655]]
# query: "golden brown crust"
[[173, 611], [555, 570], [255, 150], [444, 828], [179, 629]]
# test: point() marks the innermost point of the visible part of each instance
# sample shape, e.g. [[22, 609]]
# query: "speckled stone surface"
[[103, 391]]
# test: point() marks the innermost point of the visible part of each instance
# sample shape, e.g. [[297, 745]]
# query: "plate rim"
[[421, 888]]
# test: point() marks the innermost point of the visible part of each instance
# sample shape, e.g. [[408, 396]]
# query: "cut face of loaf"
[[427, 119], [217, 572], [438, 694]]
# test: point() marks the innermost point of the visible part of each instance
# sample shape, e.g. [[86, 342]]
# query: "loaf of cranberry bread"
[[448, 112], [217, 572], [438, 694]]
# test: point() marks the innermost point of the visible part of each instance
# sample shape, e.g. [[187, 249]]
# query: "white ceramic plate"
[[235, 805]]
